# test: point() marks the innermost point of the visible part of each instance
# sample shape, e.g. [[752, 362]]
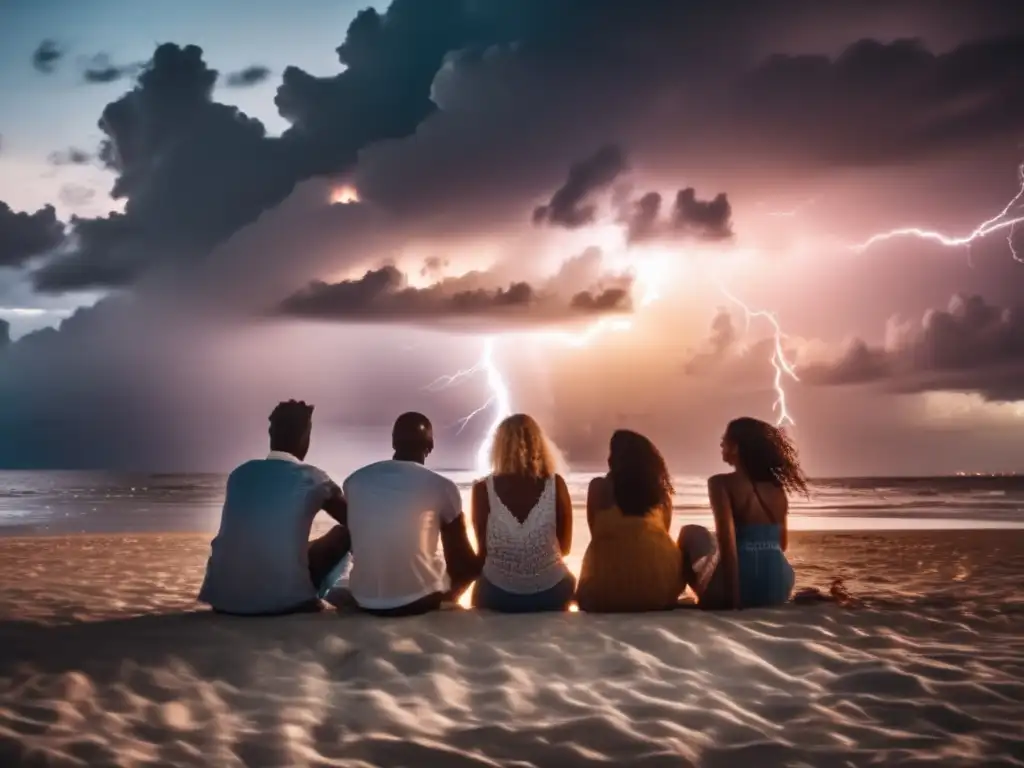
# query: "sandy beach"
[[105, 659]]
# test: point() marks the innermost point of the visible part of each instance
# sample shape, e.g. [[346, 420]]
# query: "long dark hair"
[[639, 476], [766, 454]]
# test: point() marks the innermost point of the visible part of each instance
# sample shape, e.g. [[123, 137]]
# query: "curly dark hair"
[[766, 454], [640, 479]]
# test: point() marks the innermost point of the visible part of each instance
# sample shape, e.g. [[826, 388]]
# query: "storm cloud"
[[569, 206], [690, 218], [970, 346], [24, 235], [456, 121], [384, 295], [808, 110]]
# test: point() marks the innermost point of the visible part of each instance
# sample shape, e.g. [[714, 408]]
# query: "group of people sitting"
[[391, 516]]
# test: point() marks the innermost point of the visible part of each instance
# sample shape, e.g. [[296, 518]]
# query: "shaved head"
[[412, 437]]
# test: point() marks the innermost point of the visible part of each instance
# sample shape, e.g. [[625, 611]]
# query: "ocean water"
[[57, 503]]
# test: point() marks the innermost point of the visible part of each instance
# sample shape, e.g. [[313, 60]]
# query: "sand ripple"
[[99, 665]]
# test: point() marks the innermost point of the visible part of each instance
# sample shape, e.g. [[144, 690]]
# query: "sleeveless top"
[[766, 577], [523, 558], [631, 564]]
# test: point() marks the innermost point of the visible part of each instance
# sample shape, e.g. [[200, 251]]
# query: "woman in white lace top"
[[522, 516]]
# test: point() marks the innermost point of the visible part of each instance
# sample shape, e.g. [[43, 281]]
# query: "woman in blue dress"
[[743, 563]]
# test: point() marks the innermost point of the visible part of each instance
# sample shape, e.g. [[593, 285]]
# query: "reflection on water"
[[33, 503]]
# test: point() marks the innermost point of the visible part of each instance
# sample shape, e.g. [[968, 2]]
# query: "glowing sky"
[[522, 172]]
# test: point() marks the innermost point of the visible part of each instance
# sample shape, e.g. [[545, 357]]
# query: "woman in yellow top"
[[632, 563]]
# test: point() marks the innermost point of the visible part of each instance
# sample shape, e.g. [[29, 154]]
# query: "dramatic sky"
[[209, 207]]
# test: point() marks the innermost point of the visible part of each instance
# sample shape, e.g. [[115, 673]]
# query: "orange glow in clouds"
[[344, 195]]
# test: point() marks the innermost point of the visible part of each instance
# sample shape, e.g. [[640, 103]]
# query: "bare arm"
[[480, 509], [463, 563], [336, 506], [725, 530], [563, 515], [461, 560], [597, 497]]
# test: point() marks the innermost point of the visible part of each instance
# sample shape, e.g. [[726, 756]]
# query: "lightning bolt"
[[1006, 219], [500, 397], [780, 363]]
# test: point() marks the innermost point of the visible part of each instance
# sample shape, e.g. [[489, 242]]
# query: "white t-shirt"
[[259, 560], [395, 513]]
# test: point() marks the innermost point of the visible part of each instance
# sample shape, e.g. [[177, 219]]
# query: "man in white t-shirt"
[[261, 561], [397, 511]]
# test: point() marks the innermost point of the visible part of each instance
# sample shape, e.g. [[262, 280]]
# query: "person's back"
[[743, 564], [632, 563], [261, 561], [398, 512], [395, 513], [522, 515], [759, 512]]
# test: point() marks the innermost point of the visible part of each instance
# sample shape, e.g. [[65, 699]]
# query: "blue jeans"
[[492, 598]]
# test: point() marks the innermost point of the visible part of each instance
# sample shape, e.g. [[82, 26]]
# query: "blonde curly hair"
[[520, 448]]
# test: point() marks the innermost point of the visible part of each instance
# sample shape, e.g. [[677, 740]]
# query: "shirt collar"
[[283, 456]]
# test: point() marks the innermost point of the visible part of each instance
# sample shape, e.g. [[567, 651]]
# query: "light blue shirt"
[[259, 560]]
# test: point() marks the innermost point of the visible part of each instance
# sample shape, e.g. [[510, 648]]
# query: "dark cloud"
[[46, 56], [191, 172], [883, 102], [194, 171], [690, 218], [24, 235], [76, 195], [5, 334], [100, 69], [522, 109], [107, 254], [70, 156], [607, 300], [703, 219], [247, 77], [448, 120], [383, 295], [971, 346], [569, 206]]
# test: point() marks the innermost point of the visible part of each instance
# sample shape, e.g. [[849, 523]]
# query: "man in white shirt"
[[261, 561], [397, 511]]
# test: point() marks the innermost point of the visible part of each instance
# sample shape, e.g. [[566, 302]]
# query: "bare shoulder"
[[722, 480], [560, 483]]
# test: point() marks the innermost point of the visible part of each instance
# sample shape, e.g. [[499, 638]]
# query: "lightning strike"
[[783, 367], [1007, 219], [500, 398]]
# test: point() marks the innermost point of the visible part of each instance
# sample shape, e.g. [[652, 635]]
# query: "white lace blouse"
[[523, 558]]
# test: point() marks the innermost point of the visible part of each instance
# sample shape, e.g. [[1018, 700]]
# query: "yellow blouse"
[[631, 564]]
